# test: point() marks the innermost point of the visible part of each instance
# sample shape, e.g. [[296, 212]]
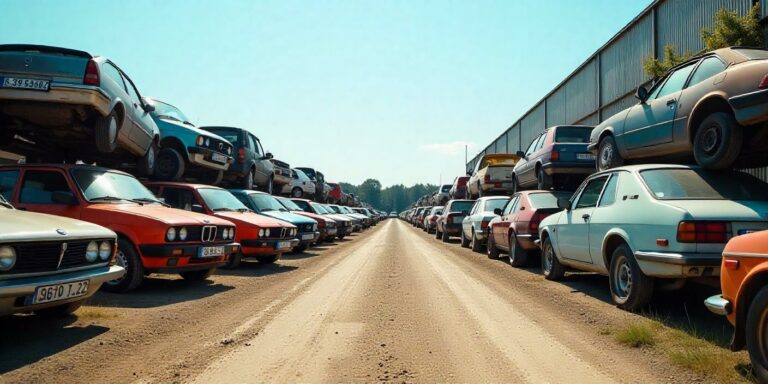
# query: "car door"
[[528, 175], [650, 122], [507, 220], [466, 224], [600, 221], [573, 228], [262, 168], [37, 193], [144, 127]]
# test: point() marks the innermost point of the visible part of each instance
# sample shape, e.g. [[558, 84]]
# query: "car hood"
[[161, 213], [289, 217], [723, 209], [177, 125], [342, 217], [18, 225], [252, 218], [313, 216]]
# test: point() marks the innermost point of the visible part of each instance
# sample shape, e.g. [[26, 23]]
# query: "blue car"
[[267, 205]]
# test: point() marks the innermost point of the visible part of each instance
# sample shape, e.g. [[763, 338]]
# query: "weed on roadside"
[[637, 335]]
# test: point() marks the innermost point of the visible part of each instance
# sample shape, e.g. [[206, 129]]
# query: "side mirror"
[[148, 107], [521, 154], [564, 203], [641, 94], [497, 211], [198, 208], [269, 156], [64, 197]]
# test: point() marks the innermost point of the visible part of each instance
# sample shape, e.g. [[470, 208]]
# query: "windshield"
[[221, 200], [164, 110], [335, 208], [319, 208], [690, 184], [546, 200], [572, 134], [436, 211], [228, 133], [753, 54], [460, 206], [103, 184], [266, 203], [498, 160], [445, 188], [288, 203], [492, 204]]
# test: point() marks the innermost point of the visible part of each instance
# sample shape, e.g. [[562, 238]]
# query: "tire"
[[146, 164], [169, 165], [438, 235], [550, 266], [445, 237], [233, 261], [756, 325], [515, 186], [270, 187], [105, 132], [212, 177], [479, 191], [492, 251], [197, 275], [268, 259], [301, 248], [464, 240], [718, 141], [248, 180], [631, 289], [518, 257], [543, 181], [134, 270], [297, 192], [340, 237], [608, 155], [475, 244], [63, 310]]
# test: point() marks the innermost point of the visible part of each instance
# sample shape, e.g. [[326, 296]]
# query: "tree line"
[[394, 198]]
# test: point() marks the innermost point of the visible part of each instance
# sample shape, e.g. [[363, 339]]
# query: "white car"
[[300, 186], [474, 227]]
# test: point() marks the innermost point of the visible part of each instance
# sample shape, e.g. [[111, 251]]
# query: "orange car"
[[744, 282], [152, 237], [261, 237]]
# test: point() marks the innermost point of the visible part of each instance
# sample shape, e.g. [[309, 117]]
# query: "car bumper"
[[679, 265], [751, 108], [498, 187], [267, 246], [63, 94], [718, 305], [452, 229], [569, 167], [307, 237], [481, 235], [16, 294], [528, 241], [204, 157]]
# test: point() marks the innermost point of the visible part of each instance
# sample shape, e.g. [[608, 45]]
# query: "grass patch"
[[637, 335], [93, 313]]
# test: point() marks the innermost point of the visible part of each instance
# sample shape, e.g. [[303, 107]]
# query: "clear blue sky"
[[357, 89]]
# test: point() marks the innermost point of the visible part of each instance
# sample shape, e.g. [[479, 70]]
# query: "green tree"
[[730, 29], [654, 67], [370, 192]]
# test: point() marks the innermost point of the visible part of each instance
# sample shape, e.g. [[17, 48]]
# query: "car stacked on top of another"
[[300, 185], [281, 173], [442, 195], [558, 157], [449, 223], [459, 188], [152, 237], [474, 227], [493, 174], [252, 166], [335, 195]]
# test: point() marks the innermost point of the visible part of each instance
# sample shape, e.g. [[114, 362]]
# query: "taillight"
[[533, 225], [483, 224], [763, 82], [702, 232], [487, 178], [554, 155], [241, 155], [91, 74], [200, 141], [433, 219]]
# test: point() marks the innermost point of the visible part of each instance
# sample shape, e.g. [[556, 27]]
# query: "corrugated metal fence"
[[605, 83]]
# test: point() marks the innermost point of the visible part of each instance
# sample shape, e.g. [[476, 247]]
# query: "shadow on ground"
[[160, 290]]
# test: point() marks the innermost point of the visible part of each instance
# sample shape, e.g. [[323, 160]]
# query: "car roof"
[[64, 167], [248, 192], [180, 184], [45, 49]]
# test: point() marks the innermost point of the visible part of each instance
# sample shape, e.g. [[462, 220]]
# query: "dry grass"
[[637, 335]]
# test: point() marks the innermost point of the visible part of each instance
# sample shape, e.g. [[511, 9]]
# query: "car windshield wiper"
[[107, 198], [188, 123], [223, 209], [243, 209], [4, 203], [268, 209], [170, 117], [148, 200]]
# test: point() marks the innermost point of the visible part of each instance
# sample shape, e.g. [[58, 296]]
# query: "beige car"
[[49, 264], [492, 175]]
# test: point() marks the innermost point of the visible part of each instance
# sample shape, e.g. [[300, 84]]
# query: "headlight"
[[229, 150], [92, 252], [314, 227], [7, 257], [261, 233], [207, 142], [183, 233], [226, 233], [266, 232], [200, 141], [105, 250], [171, 234], [231, 233]]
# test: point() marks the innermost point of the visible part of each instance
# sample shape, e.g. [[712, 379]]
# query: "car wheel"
[[105, 132], [718, 141], [197, 275], [146, 164], [438, 235], [464, 240], [631, 289], [270, 188], [341, 237], [233, 261], [127, 258], [757, 334], [444, 237], [63, 310], [492, 251], [268, 259], [248, 180], [518, 257], [608, 155], [479, 191], [550, 266], [301, 248], [515, 186], [169, 165], [297, 192], [476, 245], [543, 181]]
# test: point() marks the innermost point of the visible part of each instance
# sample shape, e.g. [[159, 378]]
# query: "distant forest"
[[395, 198]]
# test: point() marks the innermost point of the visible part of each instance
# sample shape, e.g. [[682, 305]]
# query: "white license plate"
[[458, 220], [308, 236], [49, 293], [219, 158], [211, 251], [283, 244], [585, 156], [332, 231], [33, 84]]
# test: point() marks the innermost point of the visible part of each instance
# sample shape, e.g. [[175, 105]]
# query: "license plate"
[[49, 293], [585, 156], [19, 83], [218, 157], [211, 251], [308, 236], [458, 220], [332, 231], [283, 244]]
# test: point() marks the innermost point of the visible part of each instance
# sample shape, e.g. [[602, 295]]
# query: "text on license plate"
[[307, 236], [458, 220], [211, 251], [585, 156], [33, 84], [283, 244], [49, 293], [218, 157]]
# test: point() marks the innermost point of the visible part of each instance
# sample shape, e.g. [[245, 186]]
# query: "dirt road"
[[391, 304]]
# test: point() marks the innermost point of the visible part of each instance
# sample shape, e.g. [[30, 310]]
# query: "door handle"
[[585, 217], [671, 102]]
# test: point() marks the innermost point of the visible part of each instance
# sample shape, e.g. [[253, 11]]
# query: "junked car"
[[492, 175], [474, 227], [330, 228], [652, 224], [459, 188], [430, 221], [57, 99], [300, 185], [186, 149], [449, 222], [442, 195], [709, 108], [558, 157], [252, 166], [49, 264], [282, 173]]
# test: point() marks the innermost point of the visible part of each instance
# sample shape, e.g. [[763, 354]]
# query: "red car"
[[459, 188], [260, 237], [515, 231]]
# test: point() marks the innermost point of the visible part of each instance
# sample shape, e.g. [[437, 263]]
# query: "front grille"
[[305, 227], [44, 257], [277, 233], [203, 233], [220, 146]]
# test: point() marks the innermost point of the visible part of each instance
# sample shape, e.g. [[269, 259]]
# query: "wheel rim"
[[606, 155], [296, 193], [112, 129], [762, 338], [548, 259], [710, 139], [249, 180], [541, 179], [512, 249], [623, 283], [150, 157], [474, 238], [121, 260], [269, 187], [165, 164]]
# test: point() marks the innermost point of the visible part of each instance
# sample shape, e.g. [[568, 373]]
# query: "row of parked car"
[[612, 199]]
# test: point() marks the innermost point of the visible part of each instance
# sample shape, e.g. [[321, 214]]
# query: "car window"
[[609, 194], [532, 146], [510, 205], [546, 200], [541, 141], [132, 92], [257, 146], [676, 81], [461, 206], [251, 144], [572, 134], [753, 53], [113, 74], [708, 68], [685, 183], [474, 209], [180, 198], [8, 183], [492, 204], [591, 193], [38, 187]]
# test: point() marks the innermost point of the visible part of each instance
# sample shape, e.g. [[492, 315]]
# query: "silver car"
[[474, 227]]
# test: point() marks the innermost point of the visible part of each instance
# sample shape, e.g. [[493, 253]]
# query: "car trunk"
[[501, 172], [572, 153], [59, 65]]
